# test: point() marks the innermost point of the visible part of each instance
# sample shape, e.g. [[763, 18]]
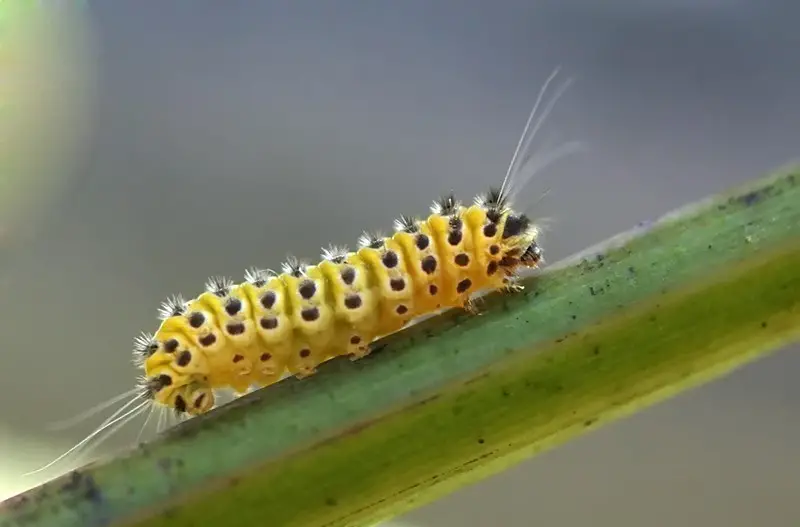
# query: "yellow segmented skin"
[[249, 335]]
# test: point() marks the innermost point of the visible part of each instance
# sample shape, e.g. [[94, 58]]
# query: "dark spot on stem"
[[751, 198]]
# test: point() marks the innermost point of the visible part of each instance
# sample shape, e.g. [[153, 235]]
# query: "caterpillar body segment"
[[266, 294], [251, 334], [311, 316], [353, 301]]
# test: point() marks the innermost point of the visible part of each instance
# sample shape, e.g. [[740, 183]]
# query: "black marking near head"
[[495, 203], [446, 205], [493, 200], [307, 289], [390, 259], [269, 322], [172, 307], [422, 242], [335, 253], [397, 284], [233, 306], [463, 286], [310, 314], [144, 346], [348, 275], [258, 277], [406, 224], [219, 286], [268, 299], [515, 225], [196, 320], [370, 240], [352, 301], [294, 267], [428, 264]]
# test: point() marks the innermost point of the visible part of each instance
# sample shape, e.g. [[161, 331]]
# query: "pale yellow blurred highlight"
[[47, 82]]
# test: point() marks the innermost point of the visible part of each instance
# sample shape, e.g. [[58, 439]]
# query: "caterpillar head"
[[520, 236], [532, 256]]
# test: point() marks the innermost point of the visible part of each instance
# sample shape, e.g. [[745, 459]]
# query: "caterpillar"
[[243, 335], [249, 335]]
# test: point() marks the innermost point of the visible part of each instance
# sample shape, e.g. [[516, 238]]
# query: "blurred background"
[[147, 145]]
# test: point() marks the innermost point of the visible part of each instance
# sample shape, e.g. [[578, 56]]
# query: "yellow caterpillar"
[[251, 334], [247, 335]]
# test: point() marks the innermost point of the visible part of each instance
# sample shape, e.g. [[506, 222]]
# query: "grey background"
[[228, 134]]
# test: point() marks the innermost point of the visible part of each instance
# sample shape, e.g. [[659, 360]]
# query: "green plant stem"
[[460, 397]]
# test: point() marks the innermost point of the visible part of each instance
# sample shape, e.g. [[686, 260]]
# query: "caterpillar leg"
[[303, 361], [374, 347], [358, 347], [512, 285], [471, 306], [304, 371], [237, 394]]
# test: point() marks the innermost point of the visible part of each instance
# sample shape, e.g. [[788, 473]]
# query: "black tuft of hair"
[[335, 253], [294, 267], [406, 224], [258, 277], [144, 345], [150, 386], [456, 223], [371, 240], [494, 202], [492, 199], [446, 205], [515, 225], [172, 307], [493, 215], [219, 286]]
